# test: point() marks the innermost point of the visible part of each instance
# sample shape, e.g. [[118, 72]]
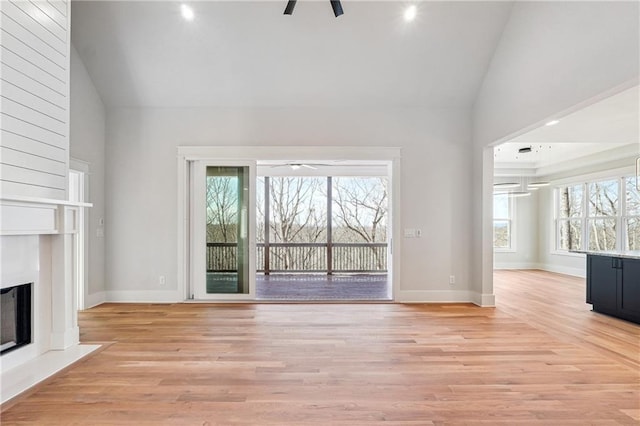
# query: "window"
[[632, 214], [603, 214], [595, 216], [501, 222], [570, 217]]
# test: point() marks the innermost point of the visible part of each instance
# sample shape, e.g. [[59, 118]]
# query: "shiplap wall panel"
[[49, 65], [21, 127], [32, 147], [41, 82], [17, 15], [33, 116], [31, 161], [36, 177], [61, 6], [34, 98], [50, 107], [8, 187], [33, 12]]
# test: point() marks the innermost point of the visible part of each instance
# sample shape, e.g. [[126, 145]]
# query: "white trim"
[[515, 265], [566, 270], [194, 153], [596, 160], [288, 153], [446, 296], [198, 282], [565, 253], [484, 300], [143, 296], [94, 299], [17, 380], [610, 174], [435, 296]]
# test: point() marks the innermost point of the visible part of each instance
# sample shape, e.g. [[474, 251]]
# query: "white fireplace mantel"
[[38, 216], [37, 245]]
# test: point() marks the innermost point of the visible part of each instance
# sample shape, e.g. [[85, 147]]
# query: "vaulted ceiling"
[[248, 54]]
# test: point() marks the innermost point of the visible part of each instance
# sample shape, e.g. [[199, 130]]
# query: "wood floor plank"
[[540, 358]]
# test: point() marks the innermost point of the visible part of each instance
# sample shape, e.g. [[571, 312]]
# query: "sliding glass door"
[[223, 230]]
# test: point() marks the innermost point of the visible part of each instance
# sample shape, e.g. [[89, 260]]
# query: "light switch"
[[409, 233]]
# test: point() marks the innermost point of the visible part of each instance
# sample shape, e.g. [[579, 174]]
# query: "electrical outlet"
[[162, 282], [452, 279]]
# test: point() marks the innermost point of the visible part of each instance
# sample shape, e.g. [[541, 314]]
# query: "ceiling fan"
[[335, 5], [296, 166]]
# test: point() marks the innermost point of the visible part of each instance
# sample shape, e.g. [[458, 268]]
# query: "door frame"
[[197, 283], [80, 239], [186, 155]]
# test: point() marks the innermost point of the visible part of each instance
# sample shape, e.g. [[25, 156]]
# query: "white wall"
[[141, 235], [553, 58], [87, 143], [524, 250], [550, 259]]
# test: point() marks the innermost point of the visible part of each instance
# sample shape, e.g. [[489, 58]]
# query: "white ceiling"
[[249, 54], [609, 128]]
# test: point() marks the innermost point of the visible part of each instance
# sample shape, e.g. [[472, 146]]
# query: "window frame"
[[617, 218], [511, 248], [625, 216], [621, 218]]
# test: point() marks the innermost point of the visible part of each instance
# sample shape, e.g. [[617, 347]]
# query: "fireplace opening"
[[15, 317]]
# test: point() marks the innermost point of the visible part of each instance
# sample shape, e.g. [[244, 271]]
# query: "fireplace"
[[15, 311]]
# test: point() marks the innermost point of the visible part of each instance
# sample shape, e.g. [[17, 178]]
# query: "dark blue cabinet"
[[629, 288], [613, 286]]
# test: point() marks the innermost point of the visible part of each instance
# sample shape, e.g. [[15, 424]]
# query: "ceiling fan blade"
[[337, 7], [309, 167], [289, 9]]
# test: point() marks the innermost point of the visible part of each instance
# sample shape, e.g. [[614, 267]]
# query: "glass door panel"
[[224, 267], [226, 229]]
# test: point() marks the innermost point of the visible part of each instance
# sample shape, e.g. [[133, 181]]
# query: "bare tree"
[[571, 198], [361, 206], [222, 209], [295, 218], [603, 200]]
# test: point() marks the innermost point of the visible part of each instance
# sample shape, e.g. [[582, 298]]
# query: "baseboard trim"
[[434, 296], [94, 299], [516, 265], [484, 300], [576, 272], [143, 296]]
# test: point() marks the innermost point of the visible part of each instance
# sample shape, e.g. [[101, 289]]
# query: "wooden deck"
[[539, 358], [308, 287], [301, 287]]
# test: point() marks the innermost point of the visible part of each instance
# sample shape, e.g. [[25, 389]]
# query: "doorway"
[[322, 232], [76, 193], [223, 223], [217, 267]]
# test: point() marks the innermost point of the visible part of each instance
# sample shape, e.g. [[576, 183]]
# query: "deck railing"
[[303, 257]]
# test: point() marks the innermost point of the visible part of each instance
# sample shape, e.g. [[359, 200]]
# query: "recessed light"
[[410, 13], [187, 12], [552, 123]]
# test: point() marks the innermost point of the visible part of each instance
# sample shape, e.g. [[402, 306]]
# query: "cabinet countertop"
[[629, 254]]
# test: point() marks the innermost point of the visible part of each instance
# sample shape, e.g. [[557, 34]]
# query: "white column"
[[64, 321]]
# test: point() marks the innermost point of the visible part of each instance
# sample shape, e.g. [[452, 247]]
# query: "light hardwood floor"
[[541, 357]]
